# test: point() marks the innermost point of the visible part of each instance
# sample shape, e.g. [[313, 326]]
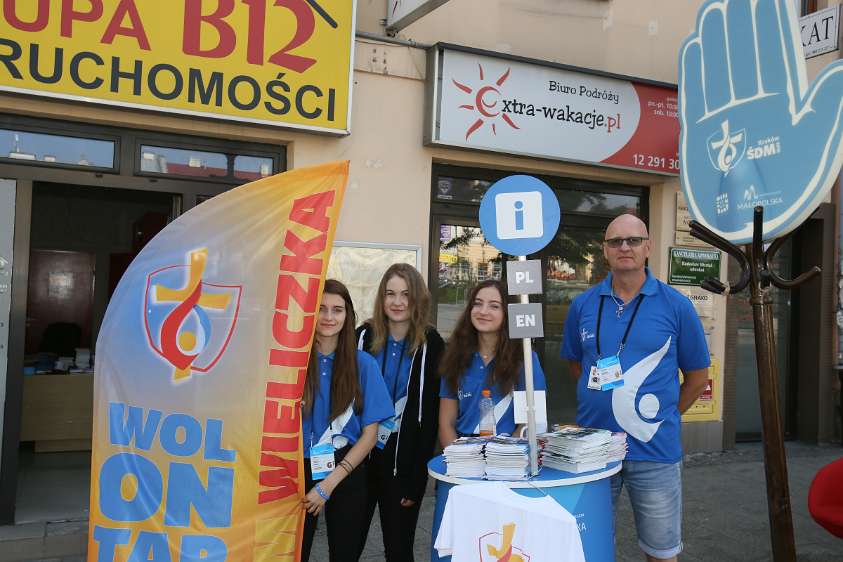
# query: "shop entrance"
[[87, 199], [82, 239], [571, 263]]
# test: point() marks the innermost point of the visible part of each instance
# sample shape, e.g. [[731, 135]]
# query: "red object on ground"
[[825, 498]]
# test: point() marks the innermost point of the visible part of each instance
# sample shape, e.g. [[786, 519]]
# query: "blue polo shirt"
[[394, 361], [666, 336], [470, 391], [349, 425]]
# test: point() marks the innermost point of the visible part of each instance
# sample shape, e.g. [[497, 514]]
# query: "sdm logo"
[[189, 322]]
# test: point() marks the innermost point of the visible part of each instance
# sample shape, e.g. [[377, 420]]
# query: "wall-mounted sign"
[[283, 63], [683, 217], [691, 267], [488, 101], [707, 406], [755, 131], [401, 13], [820, 31], [702, 300], [683, 238]]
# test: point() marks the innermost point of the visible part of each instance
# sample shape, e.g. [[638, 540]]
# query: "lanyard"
[[628, 326], [397, 371]]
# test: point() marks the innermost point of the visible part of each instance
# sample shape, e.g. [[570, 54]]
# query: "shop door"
[[572, 263], [748, 408], [7, 227], [464, 258]]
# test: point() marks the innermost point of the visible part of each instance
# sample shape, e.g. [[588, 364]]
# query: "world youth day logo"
[[486, 99], [506, 552], [189, 322], [754, 130]]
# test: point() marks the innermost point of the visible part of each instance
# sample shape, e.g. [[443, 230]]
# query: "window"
[[86, 147], [252, 167], [223, 165], [56, 150], [460, 256], [805, 7], [175, 161]]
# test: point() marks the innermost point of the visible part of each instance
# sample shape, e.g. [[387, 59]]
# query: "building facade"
[[85, 183]]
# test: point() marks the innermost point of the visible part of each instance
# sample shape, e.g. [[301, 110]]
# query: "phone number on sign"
[[657, 162]]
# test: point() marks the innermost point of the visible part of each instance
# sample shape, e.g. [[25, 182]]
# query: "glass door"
[[572, 262], [7, 228], [748, 410], [464, 258]]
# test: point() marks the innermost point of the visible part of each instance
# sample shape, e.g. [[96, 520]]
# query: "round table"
[[587, 496]]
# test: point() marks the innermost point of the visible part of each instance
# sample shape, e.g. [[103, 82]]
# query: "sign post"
[[756, 160], [519, 215]]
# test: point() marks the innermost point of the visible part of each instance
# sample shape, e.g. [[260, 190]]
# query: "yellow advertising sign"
[[274, 62]]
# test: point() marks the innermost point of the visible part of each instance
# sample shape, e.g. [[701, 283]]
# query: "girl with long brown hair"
[[407, 349], [480, 356], [344, 401]]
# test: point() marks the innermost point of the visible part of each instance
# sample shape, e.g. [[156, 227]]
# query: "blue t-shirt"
[[345, 429], [394, 362], [666, 336], [470, 391]]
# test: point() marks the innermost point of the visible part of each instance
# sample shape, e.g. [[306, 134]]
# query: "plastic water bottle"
[[487, 415]]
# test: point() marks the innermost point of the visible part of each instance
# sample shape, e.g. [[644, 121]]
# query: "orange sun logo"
[[485, 94]]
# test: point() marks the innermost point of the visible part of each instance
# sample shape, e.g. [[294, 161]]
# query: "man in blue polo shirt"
[[626, 340]]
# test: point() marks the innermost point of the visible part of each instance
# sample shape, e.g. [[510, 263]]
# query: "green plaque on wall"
[[689, 266]]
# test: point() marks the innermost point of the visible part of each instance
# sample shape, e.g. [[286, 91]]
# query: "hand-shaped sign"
[[754, 131]]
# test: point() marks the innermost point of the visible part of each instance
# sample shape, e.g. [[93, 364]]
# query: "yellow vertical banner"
[[200, 367]]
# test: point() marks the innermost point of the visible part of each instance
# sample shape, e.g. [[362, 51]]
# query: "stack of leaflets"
[[507, 458], [617, 447], [464, 458], [576, 449]]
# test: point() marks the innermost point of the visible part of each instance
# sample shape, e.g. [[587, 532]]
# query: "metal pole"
[[531, 404], [757, 273], [775, 462]]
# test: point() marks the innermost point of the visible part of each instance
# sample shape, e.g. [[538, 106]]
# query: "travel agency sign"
[[283, 63], [496, 102], [755, 132]]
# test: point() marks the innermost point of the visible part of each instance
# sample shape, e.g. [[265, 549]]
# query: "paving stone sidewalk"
[[725, 516]]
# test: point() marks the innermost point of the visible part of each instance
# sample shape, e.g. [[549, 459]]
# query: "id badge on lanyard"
[[385, 429], [607, 373], [321, 460]]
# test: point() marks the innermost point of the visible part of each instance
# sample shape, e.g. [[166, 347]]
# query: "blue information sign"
[[754, 130], [519, 215]]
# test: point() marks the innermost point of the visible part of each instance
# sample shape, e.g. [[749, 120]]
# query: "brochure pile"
[[581, 449], [507, 458], [464, 458]]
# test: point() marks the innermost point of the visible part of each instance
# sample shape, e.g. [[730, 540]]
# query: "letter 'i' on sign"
[[519, 215]]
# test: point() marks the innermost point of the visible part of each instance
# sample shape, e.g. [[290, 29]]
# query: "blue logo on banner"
[[754, 131], [519, 215]]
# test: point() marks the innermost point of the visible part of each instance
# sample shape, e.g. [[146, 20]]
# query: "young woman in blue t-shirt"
[[481, 356], [344, 401]]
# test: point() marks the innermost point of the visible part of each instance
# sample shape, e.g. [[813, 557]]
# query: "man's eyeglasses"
[[632, 241]]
